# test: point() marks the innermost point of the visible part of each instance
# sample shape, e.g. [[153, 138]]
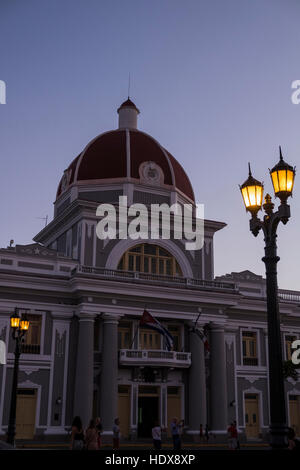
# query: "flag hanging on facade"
[[148, 321]]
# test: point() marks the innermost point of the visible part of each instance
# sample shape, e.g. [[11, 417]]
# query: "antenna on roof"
[[129, 85], [43, 218]]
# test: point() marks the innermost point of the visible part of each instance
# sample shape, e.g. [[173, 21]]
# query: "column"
[[218, 392], [84, 380], [109, 373], [58, 374], [197, 386]]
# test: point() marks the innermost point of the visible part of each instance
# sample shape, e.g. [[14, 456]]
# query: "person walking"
[[156, 436], [91, 436], [116, 434], [175, 431], [293, 443], [99, 431], [77, 435], [232, 436], [206, 433], [201, 434], [237, 436]]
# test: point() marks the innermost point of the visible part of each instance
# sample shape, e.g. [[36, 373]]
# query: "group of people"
[[90, 439], [176, 431]]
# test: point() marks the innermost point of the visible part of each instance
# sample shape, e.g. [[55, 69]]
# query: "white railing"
[[153, 357], [289, 295], [154, 278]]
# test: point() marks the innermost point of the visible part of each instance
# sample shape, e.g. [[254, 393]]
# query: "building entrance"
[[148, 405], [251, 416], [25, 413]]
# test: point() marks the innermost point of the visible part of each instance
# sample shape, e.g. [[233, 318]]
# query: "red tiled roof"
[[106, 157]]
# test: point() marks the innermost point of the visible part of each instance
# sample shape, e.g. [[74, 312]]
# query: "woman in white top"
[[156, 435]]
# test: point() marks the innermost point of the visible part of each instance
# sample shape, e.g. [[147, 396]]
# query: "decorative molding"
[[28, 369], [34, 249], [151, 173], [252, 378], [4, 323], [229, 340]]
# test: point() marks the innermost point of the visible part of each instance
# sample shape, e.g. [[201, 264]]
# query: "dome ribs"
[[142, 149], [104, 158]]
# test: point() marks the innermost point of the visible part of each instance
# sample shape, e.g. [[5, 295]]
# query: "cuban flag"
[[148, 321]]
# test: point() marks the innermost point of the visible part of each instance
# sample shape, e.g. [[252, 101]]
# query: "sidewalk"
[[143, 446]]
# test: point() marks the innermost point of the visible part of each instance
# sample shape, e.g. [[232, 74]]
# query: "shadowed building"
[[84, 354]]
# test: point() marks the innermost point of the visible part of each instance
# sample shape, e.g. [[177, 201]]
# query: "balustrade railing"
[[154, 278]]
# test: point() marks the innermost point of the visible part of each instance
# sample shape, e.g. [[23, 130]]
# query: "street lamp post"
[[282, 176], [19, 327]]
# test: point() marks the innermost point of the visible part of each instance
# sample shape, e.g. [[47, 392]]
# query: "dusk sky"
[[212, 79]]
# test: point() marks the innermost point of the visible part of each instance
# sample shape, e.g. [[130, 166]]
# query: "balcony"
[[30, 348], [153, 357], [250, 361], [155, 279], [289, 295]]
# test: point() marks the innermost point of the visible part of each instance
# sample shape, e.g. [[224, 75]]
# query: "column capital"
[[191, 323], [217, 326], [86, 316], [111, 318], [61, 315]]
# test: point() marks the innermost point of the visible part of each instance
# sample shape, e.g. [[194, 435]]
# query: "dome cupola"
[[126, 155]]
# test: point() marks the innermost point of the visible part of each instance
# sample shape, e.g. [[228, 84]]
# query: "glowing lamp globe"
[[15, 320], [283, 176], [252, 193], [24, 323]]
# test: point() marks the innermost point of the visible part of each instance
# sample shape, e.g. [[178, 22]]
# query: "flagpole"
[[136, 332], [200, 311]]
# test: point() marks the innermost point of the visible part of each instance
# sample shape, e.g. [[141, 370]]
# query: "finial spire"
[[129, 85], [250, 174], [280, 153]]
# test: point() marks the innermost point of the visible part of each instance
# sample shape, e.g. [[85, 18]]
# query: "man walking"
[[175, 431]]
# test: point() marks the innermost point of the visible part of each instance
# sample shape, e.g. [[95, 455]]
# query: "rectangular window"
[[249, 341], [124, 335], [150, 340], [168, 267], [175, 332], [153, 265], [32, 339], [130, 263], [138, 263]]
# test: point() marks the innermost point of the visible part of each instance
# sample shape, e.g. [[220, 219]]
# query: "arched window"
[[148, 258]]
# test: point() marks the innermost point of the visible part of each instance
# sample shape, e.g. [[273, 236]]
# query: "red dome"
[[119, 154]]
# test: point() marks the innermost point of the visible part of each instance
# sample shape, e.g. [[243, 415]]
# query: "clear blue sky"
[[212, 79]]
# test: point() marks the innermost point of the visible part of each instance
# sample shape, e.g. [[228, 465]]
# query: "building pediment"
[[243, 276]]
